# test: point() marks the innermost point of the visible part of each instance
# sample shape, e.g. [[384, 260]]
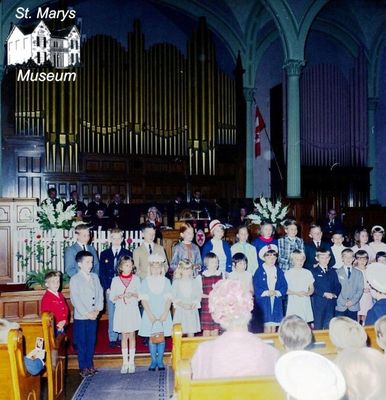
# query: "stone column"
[[372, 103], [249, 94], [293, 69]]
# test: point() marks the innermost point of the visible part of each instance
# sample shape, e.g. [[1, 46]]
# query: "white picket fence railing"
[[49, 247]]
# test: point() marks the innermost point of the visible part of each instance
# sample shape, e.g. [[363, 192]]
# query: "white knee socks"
[[132, 355], [125, 355]]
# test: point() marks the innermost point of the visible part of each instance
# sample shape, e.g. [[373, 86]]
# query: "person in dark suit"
[[175, 207], [197, 204], [115, 209], [82, 235], [51, 198], [95, 205], [327, 290], [315, 244], [332, 223], [101, 221], [80, 207], [107, 270]]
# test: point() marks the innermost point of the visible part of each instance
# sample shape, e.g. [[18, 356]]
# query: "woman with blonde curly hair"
[[236, 352]]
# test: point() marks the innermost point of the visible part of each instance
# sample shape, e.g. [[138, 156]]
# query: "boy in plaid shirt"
[[288, 244]]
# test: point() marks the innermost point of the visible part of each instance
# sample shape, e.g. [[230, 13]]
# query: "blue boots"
[[157, 355]]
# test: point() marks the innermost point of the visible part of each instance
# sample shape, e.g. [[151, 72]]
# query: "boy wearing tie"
[[327, 289], [351, 280]]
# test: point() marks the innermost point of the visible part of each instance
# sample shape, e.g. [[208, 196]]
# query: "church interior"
[[184, 115]]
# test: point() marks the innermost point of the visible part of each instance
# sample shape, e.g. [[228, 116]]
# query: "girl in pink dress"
[[366, 302]]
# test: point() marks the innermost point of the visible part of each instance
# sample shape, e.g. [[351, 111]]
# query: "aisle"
[[102, 343], [111, 384]]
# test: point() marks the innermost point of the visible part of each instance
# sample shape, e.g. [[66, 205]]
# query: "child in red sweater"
[[53, 301]]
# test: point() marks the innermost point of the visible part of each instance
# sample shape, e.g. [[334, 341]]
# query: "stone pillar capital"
[[249, 93], [294, 67], [372, 103]]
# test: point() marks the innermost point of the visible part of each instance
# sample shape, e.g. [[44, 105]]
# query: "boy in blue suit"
[[107, 270], [327, 289], [82, 235]]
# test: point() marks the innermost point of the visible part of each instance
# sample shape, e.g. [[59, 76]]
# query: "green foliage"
[[36, 278]]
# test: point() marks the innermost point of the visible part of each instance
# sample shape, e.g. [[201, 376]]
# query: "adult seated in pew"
[[305, 375], [376, 277], [236, 352], [364, 372], [380, 332], [294, 333], [345, 333], [34, 360]]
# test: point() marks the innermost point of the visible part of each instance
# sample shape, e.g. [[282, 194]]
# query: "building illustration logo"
[[60, 48]]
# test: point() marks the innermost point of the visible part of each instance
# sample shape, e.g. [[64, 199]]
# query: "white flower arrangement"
[[265, 211], [50, 217]]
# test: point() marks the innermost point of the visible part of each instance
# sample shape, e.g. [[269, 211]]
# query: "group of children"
[[273, 270]]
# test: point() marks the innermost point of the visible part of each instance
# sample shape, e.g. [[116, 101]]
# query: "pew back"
[[6, 388], [55, 357], [16, 382], [184, 347], [256, 388]]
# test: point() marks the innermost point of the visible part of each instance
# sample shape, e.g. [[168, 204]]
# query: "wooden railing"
[[48, 249]]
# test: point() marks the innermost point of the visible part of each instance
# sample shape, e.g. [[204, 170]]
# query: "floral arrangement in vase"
[[50, 217], [266, 211]]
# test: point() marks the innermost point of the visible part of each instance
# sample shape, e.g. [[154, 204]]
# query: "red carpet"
[[102, 344]]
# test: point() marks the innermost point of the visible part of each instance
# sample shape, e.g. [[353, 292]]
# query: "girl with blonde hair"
[[186, 296]]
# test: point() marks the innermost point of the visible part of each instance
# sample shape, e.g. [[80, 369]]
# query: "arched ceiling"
[[250, 26]]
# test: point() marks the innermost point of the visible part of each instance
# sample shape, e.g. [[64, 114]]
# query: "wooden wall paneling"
[[22, 187], [5, 254], [36, 185]]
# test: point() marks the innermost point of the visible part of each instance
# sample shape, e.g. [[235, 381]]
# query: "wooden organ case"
[[143, 122]]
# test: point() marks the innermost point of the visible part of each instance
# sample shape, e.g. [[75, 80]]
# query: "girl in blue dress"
[[156, 297], [270, 286]]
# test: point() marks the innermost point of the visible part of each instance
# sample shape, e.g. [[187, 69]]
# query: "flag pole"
[[274, 155]]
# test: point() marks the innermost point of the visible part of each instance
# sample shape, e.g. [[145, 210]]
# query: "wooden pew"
[[256, 388], [55, 351], [372, 338], [184, 347], [16, 382]]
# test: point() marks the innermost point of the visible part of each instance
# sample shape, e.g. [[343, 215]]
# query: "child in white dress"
[[239, 271], [127, 319], [300, 287], [377, 233], [186, 295]]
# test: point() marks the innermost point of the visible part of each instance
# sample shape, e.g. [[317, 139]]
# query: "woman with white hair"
[[236, 352], [345, 333], [364, 372]]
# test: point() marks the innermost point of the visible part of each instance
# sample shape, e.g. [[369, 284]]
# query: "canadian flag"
[[259, 126]]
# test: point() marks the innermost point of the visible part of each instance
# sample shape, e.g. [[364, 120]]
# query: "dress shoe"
[[84, 373], [131, 368], [161, 368], [125, 368], [92, 371]]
